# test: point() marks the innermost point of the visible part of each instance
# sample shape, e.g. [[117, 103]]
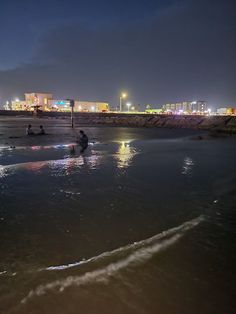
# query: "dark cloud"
[[185, 50]]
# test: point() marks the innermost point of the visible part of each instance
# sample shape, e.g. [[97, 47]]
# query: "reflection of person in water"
[[72, 150], [83, 141]]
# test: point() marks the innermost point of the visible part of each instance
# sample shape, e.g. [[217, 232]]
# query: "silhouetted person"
[[83, 141], [41, 132], [29, 130]]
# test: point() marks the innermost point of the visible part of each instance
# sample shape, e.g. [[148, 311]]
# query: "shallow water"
[[142, 222]]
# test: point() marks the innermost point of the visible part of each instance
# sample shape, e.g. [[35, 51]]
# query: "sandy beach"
[[142, 222]]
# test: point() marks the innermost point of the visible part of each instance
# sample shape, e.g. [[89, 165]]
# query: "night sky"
[[158, 51]]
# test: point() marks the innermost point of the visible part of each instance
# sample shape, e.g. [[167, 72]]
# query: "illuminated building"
[[45, 102], [20, 105], [187, 107], [80, 106], [199, 106], [31, 101], [58, 105], [7, 106], [226, 111], [91, 106], [38, 99]]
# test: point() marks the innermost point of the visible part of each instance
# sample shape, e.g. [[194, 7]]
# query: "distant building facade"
[[20, 105], [226, 111], [188, 107], [91, 106], [32, 100], [80, 106], [45, 102], [38, 99]]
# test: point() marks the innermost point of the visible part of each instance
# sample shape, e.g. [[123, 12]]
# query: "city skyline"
[[157, 51], [48, 102]]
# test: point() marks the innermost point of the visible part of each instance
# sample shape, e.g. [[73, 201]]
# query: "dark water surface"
[[142, 222]]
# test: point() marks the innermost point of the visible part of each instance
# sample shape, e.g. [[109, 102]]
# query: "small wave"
[[10, 274], [136, 245], [140, 252]]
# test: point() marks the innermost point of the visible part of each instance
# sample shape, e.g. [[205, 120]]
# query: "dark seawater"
[[142, 222]]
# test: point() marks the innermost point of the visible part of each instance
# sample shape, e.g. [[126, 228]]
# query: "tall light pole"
[[122, 96], [72, 104]]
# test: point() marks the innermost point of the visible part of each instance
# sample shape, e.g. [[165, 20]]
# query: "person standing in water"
[[83, 141]]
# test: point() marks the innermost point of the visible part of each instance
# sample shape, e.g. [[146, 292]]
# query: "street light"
[[128, 105], [123, 95]]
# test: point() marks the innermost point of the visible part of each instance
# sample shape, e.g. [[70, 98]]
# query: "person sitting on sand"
[[83, 141], [29, 130], [41, 132]]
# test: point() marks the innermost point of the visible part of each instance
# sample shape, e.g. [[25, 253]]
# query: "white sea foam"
[[165, 234], [136, 253]]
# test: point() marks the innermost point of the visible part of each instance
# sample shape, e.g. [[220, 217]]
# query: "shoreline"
[[217, 124]]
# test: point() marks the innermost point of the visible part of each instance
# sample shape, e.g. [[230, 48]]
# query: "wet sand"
[[142, 222]]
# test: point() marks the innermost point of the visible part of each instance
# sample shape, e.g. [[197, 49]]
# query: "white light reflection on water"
[[3, 172], [68, 166], [125, 154], [187, 166], [65, 167], [59, 167], [94, 161]]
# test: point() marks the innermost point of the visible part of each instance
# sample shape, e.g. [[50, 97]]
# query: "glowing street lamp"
[[123, 95], [128, 105], [17, 99]]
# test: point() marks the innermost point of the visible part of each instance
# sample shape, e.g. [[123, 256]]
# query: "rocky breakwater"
[[215, 123], [226, 124]]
